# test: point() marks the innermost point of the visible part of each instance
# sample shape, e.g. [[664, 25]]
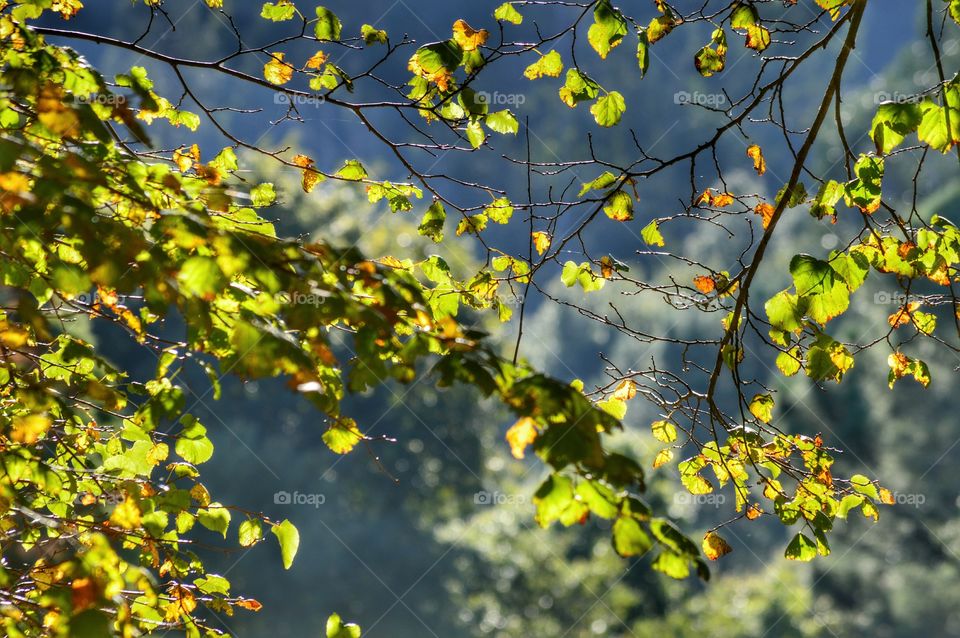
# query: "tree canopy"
[[102, 494]]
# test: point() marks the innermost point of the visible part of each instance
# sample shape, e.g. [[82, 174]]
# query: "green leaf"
[[432, 223], [643, 52], [549, 65], [816, 281], [282, 10], [801, 548], [201, 277], [614, 407], [608, 28], [619, 206], [263, 195], [577, 88], [506, 12], [337, 629], [785, 311], [289, 539], [342, 436], [353, 171], [761, 406], [629, 539], [251, 531], [372, 35], [328, 26], [499, 211], [503, 122], [213, 584], [552, 499], [651, 234], [862, 485], [608, 110], [603, 181], [192, 443], [849, 502], [475, 133], [892, 123], [215, 517], [789, 362]]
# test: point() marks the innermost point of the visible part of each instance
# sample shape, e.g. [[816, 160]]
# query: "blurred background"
[[437, 537]]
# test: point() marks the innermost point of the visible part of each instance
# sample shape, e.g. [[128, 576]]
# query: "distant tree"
[[100, 489]]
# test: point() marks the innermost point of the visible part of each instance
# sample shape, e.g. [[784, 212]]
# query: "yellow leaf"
[[754, 512], [467, 37], [184, 158], [13, 336], [886, 496], [626, 390], [54, 113], [311, 177], [541, 241], [184, 602], [714, 546], [27, 429], [664, 431], [520, 435], [663, 457], [276, 71], [126, 515], [756, 154]]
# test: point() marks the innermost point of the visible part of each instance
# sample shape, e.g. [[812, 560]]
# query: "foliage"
[[101, 491]]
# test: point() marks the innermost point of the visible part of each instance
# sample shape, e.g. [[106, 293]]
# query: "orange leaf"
[[765, 211], [249, 603], [756, 154], [705, 284], [722, 200]]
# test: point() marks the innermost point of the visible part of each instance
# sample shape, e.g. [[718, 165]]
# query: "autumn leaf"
[[766, 212], [714, 546], [759, 163], [276, 71], [705, 284], [626, 390], [249, 603], [185, 158], [541, 241], [311, 177], [316, 60], [722, 200], [903, 316], [468, 38], [520, 435]]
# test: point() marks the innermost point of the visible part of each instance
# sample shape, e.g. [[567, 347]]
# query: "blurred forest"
[[436, 536]]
